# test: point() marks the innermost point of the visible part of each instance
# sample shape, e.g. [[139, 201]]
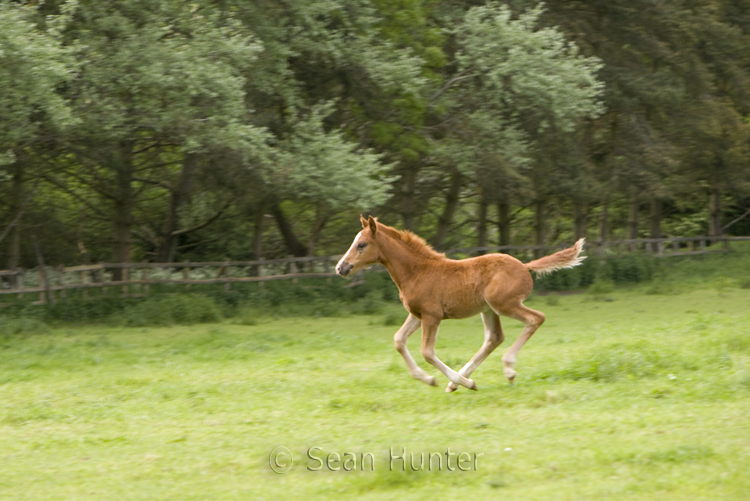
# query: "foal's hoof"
[[451, 387], [473, 385], [431, 381], [512, 379]]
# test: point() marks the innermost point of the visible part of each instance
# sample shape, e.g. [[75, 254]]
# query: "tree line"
[[163, 130]]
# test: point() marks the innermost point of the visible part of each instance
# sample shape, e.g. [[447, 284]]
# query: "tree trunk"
[[655, 220], [451, 202], [408, 204], [503, 222], [320, 222], [178, 197], [580, 214], [122, 162], [540, 227], [295, 247], [714, 221], [633, 221], [482, 223], [17, 195]]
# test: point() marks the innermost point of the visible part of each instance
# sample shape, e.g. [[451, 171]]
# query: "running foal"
[[433, 288]]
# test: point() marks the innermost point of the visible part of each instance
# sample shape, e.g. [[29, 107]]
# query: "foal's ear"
[[373, 224], [363, 221]]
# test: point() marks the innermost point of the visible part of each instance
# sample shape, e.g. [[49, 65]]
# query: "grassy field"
[[631, 394]]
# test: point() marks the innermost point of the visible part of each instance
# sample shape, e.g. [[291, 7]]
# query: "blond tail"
[[566, 258]]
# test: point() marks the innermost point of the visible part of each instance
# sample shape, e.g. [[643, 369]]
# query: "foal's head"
[[364, 250]]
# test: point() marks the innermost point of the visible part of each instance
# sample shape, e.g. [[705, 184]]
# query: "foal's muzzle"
[[344, 268]]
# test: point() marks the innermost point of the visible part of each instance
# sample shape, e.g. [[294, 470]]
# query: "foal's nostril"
[[344, 269]]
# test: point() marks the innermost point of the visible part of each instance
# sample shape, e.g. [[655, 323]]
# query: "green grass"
[[632, 394]]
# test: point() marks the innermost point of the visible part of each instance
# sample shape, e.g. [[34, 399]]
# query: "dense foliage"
[[225, 129]]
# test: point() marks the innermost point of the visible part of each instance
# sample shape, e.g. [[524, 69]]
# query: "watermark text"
[[396, 459]]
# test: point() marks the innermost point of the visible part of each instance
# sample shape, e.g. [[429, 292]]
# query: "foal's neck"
[[401, 260]]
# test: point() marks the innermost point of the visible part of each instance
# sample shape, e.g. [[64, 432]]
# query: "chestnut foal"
[[433, 288]]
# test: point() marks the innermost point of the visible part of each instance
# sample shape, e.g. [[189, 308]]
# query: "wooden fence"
[[134, 279]]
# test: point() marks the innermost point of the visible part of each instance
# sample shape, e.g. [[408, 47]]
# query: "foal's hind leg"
[[399, 340], [532, 320], [429, 336], [493, 337]]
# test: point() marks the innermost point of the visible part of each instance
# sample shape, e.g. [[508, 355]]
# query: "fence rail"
[[135, 278]]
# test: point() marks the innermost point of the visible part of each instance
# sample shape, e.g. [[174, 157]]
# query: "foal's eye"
[[361, 246]]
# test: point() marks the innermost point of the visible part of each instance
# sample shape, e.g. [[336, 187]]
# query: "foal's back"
[[463, 288]]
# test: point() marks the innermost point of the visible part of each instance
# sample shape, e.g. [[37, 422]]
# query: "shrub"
[[371, 304], [22, 326], [615, 269], [552, 300], [601, 287], [629, 269], [168, 310], [393, 318], [80, 309], [660, 288]]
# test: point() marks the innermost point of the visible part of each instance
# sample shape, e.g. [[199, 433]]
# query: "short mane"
[[415, 242]]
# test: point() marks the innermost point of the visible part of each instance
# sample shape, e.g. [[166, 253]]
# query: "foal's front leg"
[[429, 336], [399, 340]]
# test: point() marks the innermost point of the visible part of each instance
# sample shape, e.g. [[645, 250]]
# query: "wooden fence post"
[[186, 273], [125, 277], [327, 267], [167, 270], [42, 293], [145, 272], [290, 269], [261, 272], [84, 280], [227, 285], [105, 289], [19, 282], [60, 279], [42, 274]]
